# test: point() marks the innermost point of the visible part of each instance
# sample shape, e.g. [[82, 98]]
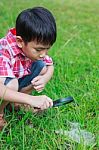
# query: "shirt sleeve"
[[5, 64], [48, 60]]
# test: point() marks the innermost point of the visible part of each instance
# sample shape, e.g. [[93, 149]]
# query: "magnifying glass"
[[62, 101]]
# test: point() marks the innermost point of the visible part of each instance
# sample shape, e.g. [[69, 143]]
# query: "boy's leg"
[[38, 68], [28, 89], [24, 83], [9, 82], [25, 86]]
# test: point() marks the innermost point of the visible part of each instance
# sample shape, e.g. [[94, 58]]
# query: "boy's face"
[[34, 51]]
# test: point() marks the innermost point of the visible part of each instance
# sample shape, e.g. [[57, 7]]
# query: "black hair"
[[36, 24]]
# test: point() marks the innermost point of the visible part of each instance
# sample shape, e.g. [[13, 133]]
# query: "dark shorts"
[[26, 80]]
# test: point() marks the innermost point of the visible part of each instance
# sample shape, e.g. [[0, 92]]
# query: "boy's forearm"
[[12, 96], [34, 101], [49, 73]]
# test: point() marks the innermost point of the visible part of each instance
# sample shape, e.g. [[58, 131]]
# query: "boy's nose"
[[43, 54]]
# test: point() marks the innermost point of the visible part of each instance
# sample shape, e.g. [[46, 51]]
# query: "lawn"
[[76, 58]]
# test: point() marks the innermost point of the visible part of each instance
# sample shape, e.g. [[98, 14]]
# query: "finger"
[[45, 105], [39, 90], [37, 83], [38, 87], [35, 79], [35, 110], [50, 102]]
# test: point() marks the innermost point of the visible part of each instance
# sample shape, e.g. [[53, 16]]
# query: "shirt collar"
[[11, 39]]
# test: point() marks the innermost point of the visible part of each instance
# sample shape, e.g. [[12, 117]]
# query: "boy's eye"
[[41, 49], [38, 49]]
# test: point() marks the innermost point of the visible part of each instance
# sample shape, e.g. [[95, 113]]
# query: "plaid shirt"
[[13, 62]]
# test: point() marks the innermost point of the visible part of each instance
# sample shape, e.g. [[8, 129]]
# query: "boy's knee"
[[13, 84], [39, 68]]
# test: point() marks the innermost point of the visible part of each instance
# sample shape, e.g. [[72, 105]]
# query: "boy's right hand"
[[42, 102]]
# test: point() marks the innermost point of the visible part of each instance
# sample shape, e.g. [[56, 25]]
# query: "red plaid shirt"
[[13, 62]]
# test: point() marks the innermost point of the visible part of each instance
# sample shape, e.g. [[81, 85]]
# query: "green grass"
[[76, 57]]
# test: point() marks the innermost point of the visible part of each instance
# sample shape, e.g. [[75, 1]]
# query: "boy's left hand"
[[39, 83]]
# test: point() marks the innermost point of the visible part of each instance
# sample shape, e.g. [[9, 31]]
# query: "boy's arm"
[[9, 95], [50, 68], [40, 81], [49, 73]]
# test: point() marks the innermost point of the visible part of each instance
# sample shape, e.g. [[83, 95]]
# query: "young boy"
[[24, 63]]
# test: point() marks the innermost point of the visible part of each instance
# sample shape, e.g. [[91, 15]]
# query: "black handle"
[[62, 101]]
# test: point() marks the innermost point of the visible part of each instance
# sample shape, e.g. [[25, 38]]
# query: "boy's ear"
[[19, 41]]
